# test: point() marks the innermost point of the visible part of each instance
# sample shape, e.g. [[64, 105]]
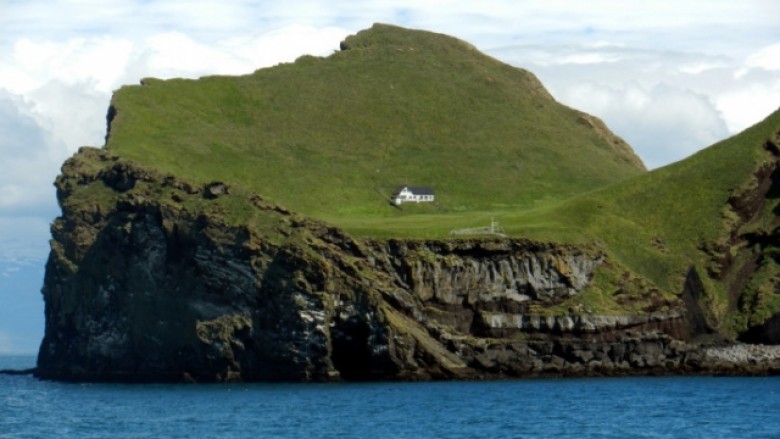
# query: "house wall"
[[406, 196]]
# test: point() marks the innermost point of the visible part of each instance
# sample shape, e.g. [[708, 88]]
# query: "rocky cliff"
[[151, 278]]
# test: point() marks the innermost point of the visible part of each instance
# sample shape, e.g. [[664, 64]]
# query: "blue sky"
[[670, 77]]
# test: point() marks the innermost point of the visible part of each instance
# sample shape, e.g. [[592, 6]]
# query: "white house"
[[413, 194]]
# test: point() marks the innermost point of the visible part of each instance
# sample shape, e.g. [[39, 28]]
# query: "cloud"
[[174, 54], [754, 91], [767, 58], [27, 201], [666, 104], [488, 19], [749, 103], [31, 156], [663, 123]]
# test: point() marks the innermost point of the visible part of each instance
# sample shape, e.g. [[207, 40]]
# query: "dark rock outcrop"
[[767, 332], [17, 371], [149, 280]]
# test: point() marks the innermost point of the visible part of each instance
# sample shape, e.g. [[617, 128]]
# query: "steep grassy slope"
[[716, 211], [332, 137]]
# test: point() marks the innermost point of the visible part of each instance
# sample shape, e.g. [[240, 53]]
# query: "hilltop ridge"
[[395, 106]]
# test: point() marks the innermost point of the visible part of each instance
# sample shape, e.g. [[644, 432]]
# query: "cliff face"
[[148, 280]]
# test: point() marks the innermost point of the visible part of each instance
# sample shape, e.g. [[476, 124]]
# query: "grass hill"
[[332, 137]]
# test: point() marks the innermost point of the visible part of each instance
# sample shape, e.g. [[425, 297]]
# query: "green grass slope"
[[332, 137], [716, 211]]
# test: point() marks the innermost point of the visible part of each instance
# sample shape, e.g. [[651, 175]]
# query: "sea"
[[648, 407]]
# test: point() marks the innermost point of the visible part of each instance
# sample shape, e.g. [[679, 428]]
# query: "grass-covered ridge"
[[332, 137]]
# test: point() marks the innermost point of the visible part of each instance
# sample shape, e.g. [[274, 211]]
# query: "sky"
[[670, 77]]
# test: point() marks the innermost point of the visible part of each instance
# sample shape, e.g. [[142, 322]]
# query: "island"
[[244, 229]]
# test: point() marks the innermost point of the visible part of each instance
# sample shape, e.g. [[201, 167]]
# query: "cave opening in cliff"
[[352, 351]]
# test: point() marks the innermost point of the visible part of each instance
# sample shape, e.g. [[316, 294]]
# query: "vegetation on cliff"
[[150, 279], [716, 211], [331, 137]]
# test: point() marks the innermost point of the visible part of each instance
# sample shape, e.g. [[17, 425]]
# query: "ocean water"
[[684, 407]]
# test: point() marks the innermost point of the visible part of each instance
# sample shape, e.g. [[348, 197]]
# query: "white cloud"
[[74, 112], [500, 20], [699, 66], [171, 52], [174, 54], [767, 58], [661, 122], [744, 106], [666, 104], [283, 45], [33, 62], [31, 156]]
